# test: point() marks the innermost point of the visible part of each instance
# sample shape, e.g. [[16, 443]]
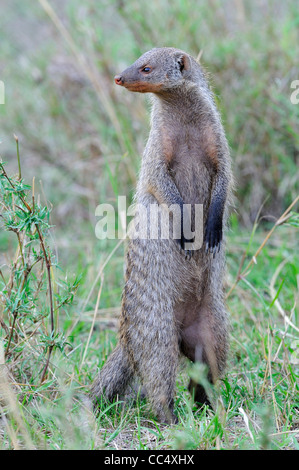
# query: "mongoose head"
[[158, 70]]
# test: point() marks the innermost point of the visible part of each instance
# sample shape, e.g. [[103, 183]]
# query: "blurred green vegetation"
[[63, 121]]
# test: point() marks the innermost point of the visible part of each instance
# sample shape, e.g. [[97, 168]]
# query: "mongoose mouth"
[[138, 85], [142, 87]]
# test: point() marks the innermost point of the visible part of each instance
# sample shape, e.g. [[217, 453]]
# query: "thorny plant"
[[28, 324]]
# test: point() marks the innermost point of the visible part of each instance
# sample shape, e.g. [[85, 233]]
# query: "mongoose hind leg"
[[148, 328], [205, 340], [113, 378], [156, 365], [160, 388], [152, 343]]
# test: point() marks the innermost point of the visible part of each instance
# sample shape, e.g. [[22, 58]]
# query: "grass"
[[81, 140], [257, 403]]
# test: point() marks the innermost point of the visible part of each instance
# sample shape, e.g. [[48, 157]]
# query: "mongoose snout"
[[173, 303], [118, 79]]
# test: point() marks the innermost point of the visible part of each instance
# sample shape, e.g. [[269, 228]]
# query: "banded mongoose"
[[171, 302]]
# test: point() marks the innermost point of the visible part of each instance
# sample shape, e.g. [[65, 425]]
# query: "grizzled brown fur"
[[173, 303]]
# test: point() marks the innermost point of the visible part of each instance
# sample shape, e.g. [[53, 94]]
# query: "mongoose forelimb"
[[172, 301]]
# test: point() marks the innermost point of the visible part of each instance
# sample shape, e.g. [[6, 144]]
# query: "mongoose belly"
[[194, 183], [154, 277]]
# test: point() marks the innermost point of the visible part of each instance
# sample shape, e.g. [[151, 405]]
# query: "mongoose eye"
[[146, 70]]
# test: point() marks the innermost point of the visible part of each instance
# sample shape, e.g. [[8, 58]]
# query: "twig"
[[98, 276], [21, 248], [271, 378], [1, 274], [100, 273], [48, 266], [93, 320], [47, 363], [6, 176], [13, 186], [33, 181], [246, 421], [287, 320], [18, 155], [15, 312]]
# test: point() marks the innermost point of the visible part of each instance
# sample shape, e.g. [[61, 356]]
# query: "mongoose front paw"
[[213, 236]]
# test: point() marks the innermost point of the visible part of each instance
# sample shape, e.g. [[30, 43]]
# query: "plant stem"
[[15, 312], [18, 155], [13, 186], [33, 197], [48, 266], [6, 176], [47, 363], [21, 248]]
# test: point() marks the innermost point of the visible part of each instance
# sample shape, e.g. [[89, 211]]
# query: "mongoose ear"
[[184, 62]]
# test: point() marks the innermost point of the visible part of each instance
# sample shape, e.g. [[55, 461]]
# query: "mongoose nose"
[[118, 79]]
